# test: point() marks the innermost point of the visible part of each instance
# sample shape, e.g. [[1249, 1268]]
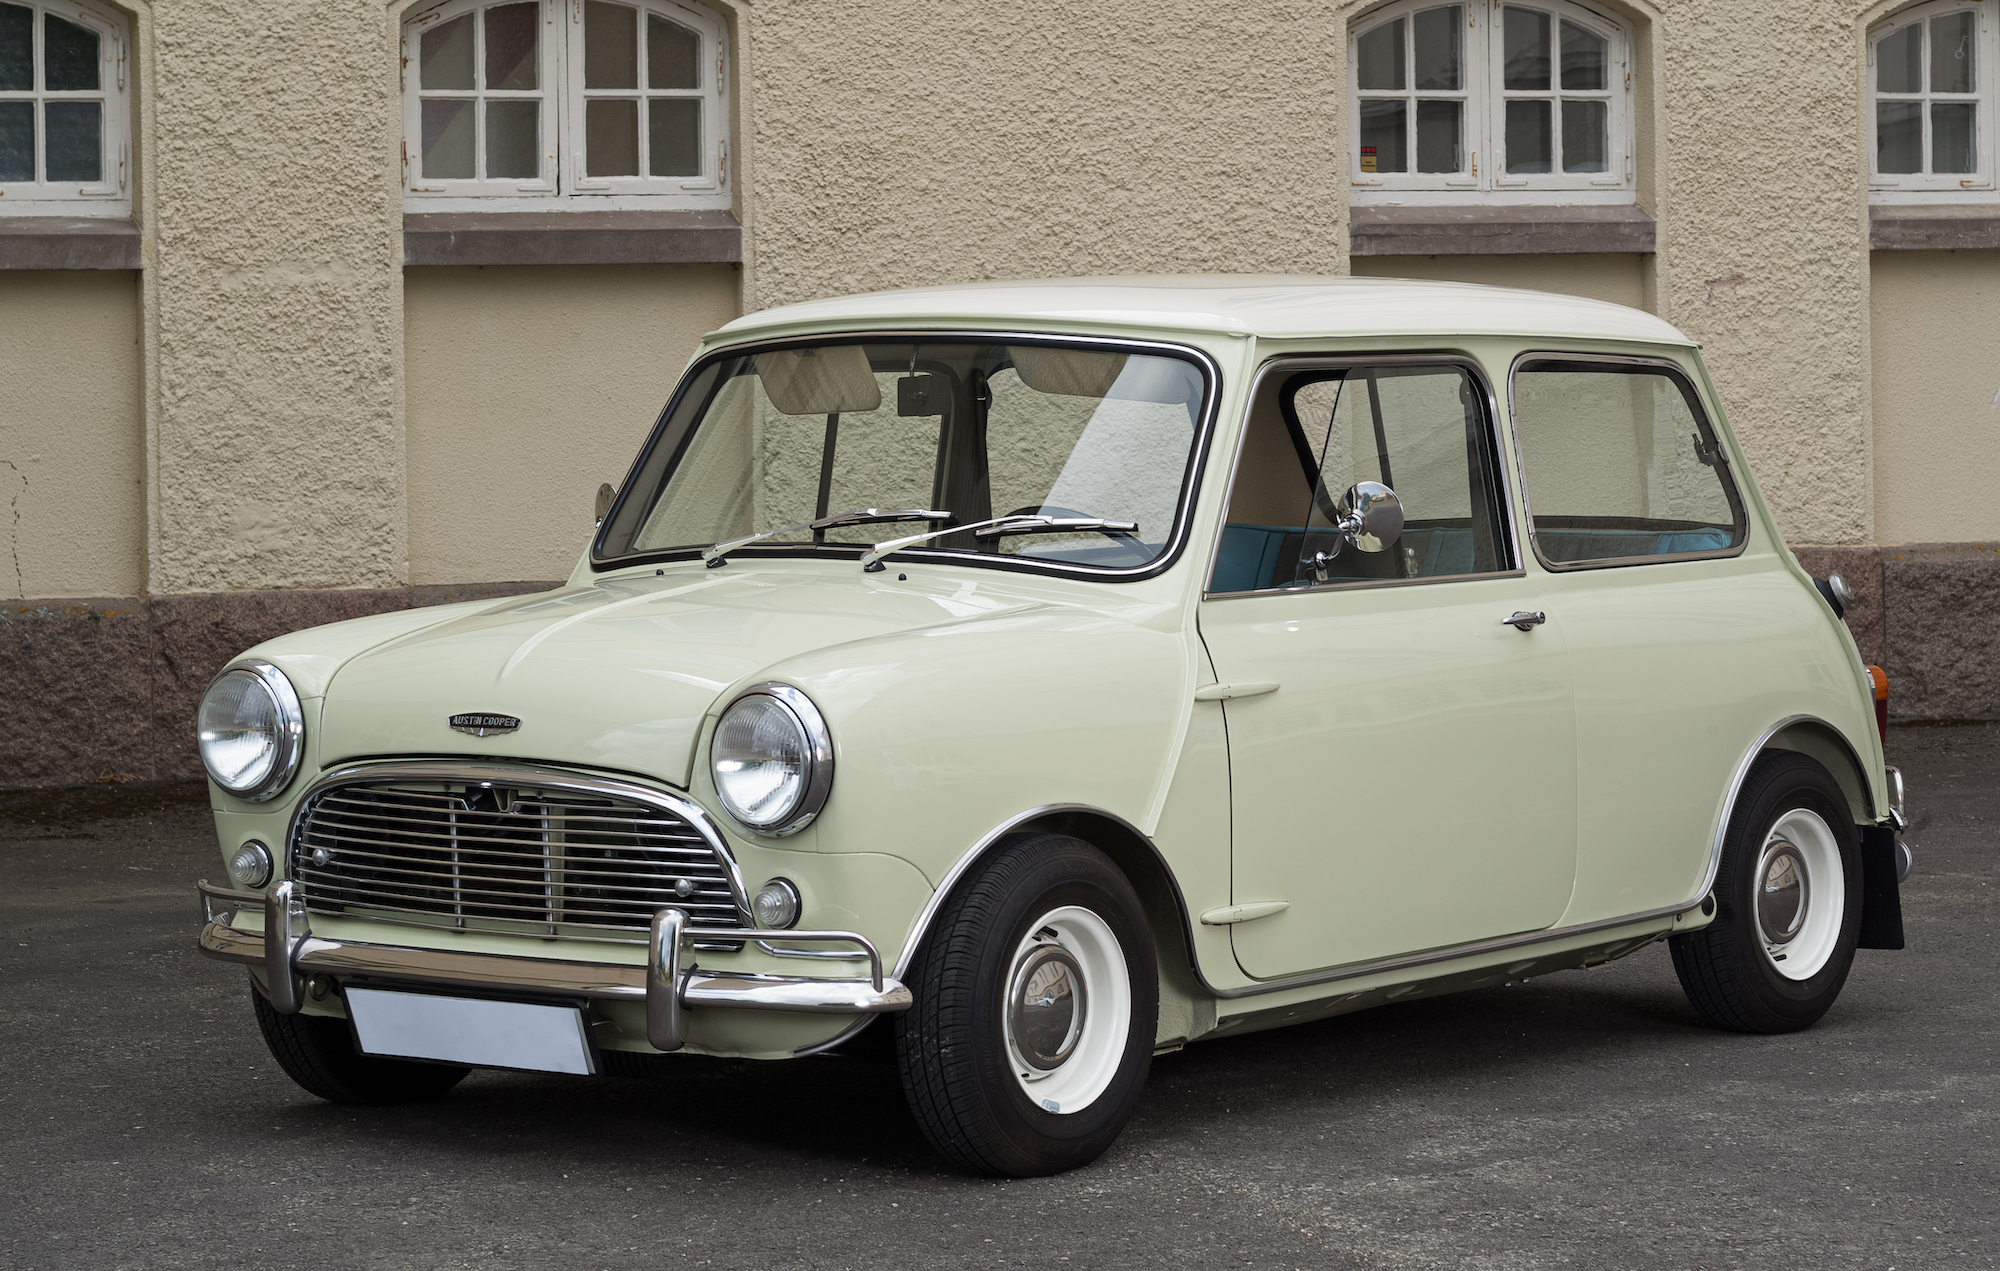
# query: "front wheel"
[[1037, 996], [1788, 898], [317, 1052]]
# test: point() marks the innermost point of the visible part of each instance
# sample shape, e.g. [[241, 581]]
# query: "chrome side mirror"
[[606, 493], [1371, 516]]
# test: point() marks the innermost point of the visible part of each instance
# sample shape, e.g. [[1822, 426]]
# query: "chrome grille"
[[481, 855]]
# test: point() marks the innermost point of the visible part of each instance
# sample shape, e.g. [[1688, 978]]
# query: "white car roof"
[[1274, 307]]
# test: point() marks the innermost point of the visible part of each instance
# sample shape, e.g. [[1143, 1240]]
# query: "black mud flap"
[[1881, 895]]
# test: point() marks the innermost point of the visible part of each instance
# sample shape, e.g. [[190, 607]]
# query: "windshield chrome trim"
[[1170, 555]]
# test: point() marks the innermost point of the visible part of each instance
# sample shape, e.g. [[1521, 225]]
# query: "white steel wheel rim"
[[1798, 895], [1083, 946]]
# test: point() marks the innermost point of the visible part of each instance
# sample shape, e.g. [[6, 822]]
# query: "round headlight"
[[252, 730], [772, 759]]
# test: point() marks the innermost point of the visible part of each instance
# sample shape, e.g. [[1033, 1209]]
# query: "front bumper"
[[288, 951]]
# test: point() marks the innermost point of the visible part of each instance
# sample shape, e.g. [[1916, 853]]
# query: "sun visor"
[[1119, 376], [831, 380], [1066, 372]]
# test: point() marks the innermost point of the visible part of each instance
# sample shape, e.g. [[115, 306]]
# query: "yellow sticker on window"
[[1367, 158]]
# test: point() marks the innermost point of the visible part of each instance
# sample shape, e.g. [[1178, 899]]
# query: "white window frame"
[[110, 197], [1925, 187], [1483, 177], [564, 181]]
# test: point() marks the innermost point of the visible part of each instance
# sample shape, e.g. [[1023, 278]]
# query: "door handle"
[[1522, 619]]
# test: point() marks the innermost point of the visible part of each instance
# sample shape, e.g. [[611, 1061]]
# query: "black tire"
[[1724, 967], [317, 1051], [952, 1045]]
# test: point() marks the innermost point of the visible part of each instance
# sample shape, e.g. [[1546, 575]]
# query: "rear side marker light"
[[1880, 679]]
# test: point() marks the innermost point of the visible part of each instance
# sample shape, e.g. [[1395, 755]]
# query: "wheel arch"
[[1818, 740], [1129, 849]]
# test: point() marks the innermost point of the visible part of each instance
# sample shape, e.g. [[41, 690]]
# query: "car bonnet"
[[618, 675]]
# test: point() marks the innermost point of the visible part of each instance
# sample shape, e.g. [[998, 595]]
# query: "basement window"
[[541, 104], [64, 145]]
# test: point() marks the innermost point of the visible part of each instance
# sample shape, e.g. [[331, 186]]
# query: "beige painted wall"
[[1615, 278], [72, 435], [526, 388], [1936, 319]]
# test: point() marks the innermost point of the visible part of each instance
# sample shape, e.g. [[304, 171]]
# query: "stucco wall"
[[1619, 279], [1763, 242], [903, 145], [274, 227], [1936, 318], [527, 387], [72, 435]]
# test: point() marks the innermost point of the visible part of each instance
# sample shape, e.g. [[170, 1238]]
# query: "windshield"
[[784, 436]]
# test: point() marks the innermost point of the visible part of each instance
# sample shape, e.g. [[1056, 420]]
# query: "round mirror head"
[[1375, 513]]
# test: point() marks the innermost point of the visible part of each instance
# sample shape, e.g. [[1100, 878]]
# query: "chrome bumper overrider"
[[287, 950]]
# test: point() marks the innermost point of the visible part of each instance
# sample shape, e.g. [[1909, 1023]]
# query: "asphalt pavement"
[[1585, 1119]]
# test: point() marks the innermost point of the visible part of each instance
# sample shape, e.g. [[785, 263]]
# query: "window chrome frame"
[[1730, 487], [1191, 480], [1286, 363]]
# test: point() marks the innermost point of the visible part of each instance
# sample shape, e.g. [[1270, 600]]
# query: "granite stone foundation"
[[105, 690]]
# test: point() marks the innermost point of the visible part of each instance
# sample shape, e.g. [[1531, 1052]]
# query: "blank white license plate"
[[471, 1030]]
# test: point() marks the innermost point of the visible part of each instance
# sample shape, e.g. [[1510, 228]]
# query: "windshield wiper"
[[713, 556], [999, 526]]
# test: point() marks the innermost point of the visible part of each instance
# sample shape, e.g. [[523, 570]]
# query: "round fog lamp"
[[250, 866], [776, 905]]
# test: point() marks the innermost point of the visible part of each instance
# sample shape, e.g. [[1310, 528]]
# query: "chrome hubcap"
[[1046, 1006], [1782, 893]]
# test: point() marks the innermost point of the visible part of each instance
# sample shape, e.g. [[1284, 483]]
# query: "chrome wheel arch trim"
[[921, 927], [524, 775], [1743, 767]]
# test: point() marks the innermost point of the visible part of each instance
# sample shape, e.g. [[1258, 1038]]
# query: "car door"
[[1402, 759], [1635, 514]]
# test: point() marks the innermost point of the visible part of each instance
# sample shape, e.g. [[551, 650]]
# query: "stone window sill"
[[571, 238], [1499, 230], [68, 242], [1934, 227]]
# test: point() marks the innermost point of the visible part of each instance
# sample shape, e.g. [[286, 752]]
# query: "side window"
[[1421, 430], [1621, 465]]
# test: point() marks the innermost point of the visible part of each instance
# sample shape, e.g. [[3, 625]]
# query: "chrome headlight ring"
[[259, 780], [764, 791]]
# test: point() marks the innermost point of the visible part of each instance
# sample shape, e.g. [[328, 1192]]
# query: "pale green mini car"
[[1066, 672]]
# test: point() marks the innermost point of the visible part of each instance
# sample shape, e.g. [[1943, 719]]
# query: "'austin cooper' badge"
[[483, 725]]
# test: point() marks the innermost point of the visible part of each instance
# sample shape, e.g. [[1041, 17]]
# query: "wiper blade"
[[1056, 525], [1026, 523], [713, 556]]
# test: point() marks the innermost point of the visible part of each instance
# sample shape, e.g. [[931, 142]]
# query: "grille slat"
[[346, 832], [507, 857], [676, 828]]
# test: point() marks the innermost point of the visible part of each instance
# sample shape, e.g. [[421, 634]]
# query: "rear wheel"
[[1788, 900], [1037, 996], [318, 1053]]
